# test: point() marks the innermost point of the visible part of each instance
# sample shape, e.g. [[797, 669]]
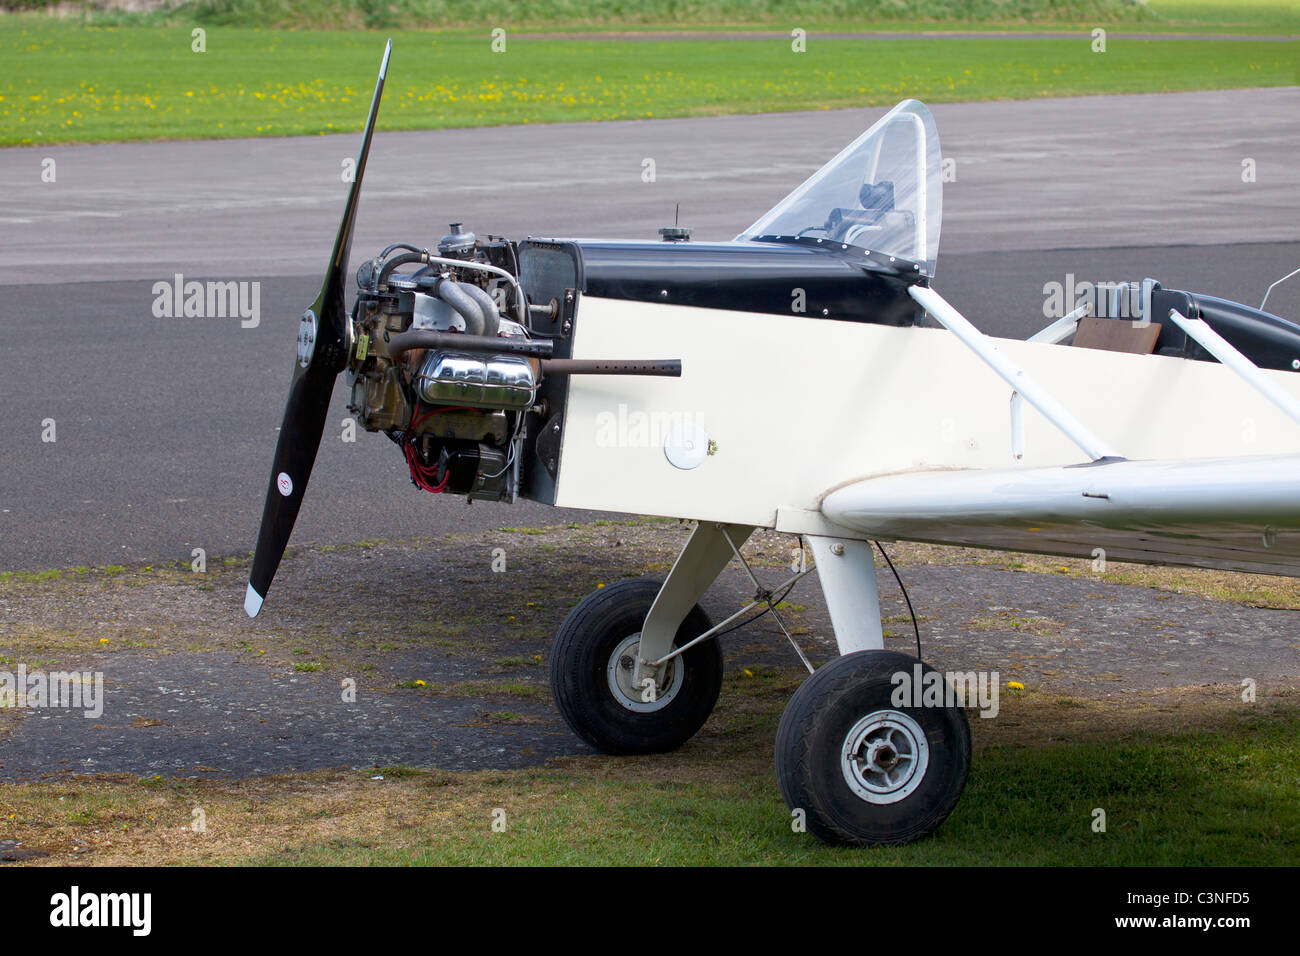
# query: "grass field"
[[1204, 787], [939, 15], [717, 804], [65, 83], [351, 14], [1280, 16]]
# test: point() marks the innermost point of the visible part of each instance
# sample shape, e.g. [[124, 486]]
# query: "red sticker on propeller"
[[284, 483]]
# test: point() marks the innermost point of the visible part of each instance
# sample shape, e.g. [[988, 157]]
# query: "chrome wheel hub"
[[884, 757], [643, 700]]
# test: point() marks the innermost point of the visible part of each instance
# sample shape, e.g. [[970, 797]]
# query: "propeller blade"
[[323, 343]]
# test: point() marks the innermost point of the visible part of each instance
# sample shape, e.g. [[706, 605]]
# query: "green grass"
[[1161, 16], [62, 82], [1201, 798], [621, 14], [55, 574], [1263, 16]]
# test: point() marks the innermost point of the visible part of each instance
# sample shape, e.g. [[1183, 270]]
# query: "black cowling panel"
[[752, 277], [1268, 340]]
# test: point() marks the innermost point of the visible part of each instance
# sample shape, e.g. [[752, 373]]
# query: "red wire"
[[424, 475]]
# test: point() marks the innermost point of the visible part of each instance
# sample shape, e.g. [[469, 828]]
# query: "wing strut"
[[1012, 374], [1223, 350]]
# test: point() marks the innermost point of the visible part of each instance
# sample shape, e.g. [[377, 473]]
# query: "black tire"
[[815, 730], [581, 680]]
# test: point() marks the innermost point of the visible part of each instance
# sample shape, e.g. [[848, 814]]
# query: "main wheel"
[[591, 674], [863, 770]]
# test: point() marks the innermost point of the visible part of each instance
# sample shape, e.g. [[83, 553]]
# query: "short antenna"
[[1277, 283]]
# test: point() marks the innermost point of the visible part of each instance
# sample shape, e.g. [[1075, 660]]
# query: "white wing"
[[1240, 514]]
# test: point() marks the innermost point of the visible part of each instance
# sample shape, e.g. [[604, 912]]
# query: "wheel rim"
[[885, 756], [618, 672]]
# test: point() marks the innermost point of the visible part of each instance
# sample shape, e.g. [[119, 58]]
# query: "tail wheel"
[[591, 674], [863, 770]]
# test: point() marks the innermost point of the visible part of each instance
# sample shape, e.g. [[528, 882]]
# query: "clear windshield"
[[883, 192]]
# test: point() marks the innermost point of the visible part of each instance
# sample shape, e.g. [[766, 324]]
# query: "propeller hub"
[[307, 338]]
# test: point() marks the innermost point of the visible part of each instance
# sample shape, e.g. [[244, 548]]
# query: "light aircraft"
[[817, 384]]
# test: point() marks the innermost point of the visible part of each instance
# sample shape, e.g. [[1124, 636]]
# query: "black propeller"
[[324, 339]]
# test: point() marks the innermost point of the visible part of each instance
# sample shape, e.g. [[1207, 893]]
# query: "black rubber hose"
[[404, 259], [398, 245]]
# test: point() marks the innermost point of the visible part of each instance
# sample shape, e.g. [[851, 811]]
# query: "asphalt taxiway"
[[165, 426]]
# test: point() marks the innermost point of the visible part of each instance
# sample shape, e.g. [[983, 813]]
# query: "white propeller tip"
[[252, 601]]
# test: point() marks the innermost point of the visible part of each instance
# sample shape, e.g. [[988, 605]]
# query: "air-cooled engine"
[[459, 415]]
